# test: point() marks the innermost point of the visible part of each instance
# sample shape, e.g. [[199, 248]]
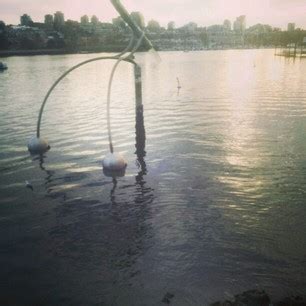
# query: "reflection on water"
[[212, 202]]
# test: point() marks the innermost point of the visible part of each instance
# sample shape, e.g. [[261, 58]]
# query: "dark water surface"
[[214, 204]]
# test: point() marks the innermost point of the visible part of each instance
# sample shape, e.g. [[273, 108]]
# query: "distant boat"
[[3, 66]]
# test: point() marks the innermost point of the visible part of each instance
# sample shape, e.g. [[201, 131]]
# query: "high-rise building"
[[26, 20], [59, 20], [227, 25], [84, 20], [49, 21], [291, 27], [94, 20], [240, 24]]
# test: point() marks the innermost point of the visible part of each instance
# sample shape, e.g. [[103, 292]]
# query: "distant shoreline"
[[9, 53]]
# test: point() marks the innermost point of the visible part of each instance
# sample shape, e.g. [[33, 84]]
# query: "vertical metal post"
[[138, 87], [140, 129]]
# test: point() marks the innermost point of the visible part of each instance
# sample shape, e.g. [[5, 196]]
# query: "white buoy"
[[38, 145], [114, 162]]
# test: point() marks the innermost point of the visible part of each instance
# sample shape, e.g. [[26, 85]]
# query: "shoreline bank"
[[9, 53]]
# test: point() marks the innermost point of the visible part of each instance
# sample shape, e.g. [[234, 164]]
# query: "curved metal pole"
[[71, 69], [127, 18], [65, 74]]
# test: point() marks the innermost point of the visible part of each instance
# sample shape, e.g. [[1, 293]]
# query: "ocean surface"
[[213, 201]]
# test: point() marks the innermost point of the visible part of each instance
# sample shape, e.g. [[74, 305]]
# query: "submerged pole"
[[139, 126], [138, 87]]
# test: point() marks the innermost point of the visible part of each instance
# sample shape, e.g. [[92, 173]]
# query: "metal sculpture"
[[112, 161]]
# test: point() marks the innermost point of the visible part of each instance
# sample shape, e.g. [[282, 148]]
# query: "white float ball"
[[114, 162], [38, 145]]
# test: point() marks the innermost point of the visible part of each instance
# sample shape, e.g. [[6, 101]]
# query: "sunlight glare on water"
[[212, 203]]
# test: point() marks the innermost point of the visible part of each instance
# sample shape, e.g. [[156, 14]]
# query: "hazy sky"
[[204, 12]]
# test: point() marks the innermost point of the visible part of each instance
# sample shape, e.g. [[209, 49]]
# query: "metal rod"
[[140, 129], [138, 87], [127, 18], [65, 74]]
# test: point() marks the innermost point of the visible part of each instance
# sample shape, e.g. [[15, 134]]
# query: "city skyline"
[[277, 13]]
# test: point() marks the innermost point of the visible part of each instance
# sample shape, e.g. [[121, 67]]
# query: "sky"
[[277, 13]]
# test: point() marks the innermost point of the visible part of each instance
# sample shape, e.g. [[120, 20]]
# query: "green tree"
[[190, 27], [171, 26], [118, 22], [153, 26], [204, 37]]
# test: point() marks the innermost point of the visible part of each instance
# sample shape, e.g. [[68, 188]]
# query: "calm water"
[[214, 203]]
